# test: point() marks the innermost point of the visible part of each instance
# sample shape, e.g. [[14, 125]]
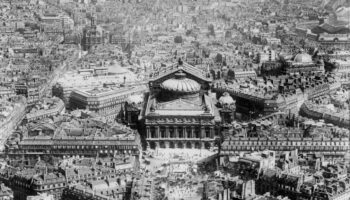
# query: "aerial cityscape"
[[174, 99]]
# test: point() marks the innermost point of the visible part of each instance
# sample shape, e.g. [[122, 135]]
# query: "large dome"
[[303, 58], [181, 84]]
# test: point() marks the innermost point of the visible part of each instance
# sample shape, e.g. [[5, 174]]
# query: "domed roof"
[[181, 84], [303, 58], [226, 99]]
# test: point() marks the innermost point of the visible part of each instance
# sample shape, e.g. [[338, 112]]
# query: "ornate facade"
[[92, 36], [115, 174], [180, 112]]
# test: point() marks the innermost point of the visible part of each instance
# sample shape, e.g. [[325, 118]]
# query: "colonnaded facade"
[[180, 111]]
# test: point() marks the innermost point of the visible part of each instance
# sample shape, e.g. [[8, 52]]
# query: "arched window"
[[162, 144], [171, 145]]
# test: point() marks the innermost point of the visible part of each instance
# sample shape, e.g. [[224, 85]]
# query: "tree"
[[206, 53], [178, 39], [302, 42], [20, 30], [228, 34], [211, 30], [196, 44], [188, 32], [234, 26], [230, 74], [218, 58], [194, 19]]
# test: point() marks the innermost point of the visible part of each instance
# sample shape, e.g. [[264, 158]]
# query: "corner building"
[[180, 111]]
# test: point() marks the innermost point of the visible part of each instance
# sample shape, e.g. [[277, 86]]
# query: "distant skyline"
[[335, 4]]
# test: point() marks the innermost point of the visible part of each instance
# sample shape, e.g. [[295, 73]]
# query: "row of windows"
[[179, 129], [38, 147], [31, 152], [281, 186], [320, 148], [93, 151], [51, 186], [297, 143], [94, 147], [97, 104], [180, 135]]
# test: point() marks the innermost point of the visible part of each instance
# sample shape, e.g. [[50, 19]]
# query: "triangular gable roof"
[[200, 74]]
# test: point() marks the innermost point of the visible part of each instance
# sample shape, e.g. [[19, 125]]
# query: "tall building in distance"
[[93, 35]]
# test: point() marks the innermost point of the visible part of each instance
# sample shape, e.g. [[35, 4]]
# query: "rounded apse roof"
[[226, 99], [181, 84], [303, 58]]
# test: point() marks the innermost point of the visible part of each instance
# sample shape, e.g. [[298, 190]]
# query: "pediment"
[[189, 70]]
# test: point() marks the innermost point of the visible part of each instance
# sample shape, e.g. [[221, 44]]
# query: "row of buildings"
[[78, 176], [289, 175], [84, 137], [281, 94]]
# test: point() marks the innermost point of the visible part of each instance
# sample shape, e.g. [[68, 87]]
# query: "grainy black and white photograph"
[[174, 99]]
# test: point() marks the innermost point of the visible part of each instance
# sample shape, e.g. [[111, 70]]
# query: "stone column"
[[176, 132], [148, 132], [192, 131], [158, 132], [202, 133], [167, 132], [184, 129], [211, 132]]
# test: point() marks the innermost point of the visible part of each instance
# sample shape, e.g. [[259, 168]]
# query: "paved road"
[[72, 60]]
